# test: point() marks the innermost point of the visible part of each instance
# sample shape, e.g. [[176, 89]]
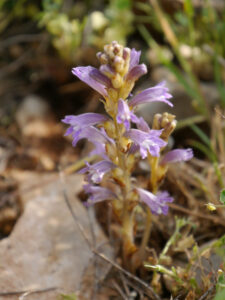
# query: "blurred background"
[[182, 42]]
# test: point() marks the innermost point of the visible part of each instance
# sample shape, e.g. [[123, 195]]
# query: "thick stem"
[[153, 161], [127, 218]]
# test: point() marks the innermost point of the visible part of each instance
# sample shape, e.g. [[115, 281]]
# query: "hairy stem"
[[153, 161], [127, 218]]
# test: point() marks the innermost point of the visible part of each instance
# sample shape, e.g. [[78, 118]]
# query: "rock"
[[46, 248], [32, 107]]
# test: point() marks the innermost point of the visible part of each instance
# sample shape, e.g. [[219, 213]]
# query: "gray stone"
[[46, 248]]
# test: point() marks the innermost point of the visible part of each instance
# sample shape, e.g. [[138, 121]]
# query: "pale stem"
[[127, 219], [153, 161]]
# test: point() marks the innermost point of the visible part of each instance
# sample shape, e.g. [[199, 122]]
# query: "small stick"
[[27, 292], [119, 290], [196, 214], [207, 293]]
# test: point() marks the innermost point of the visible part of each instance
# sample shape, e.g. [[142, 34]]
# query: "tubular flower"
[[97, 170], [157, 203], [177, 155], [147, 141], [97, 194]]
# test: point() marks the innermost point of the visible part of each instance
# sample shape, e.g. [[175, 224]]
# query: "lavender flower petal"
[[177, 155], [97, 194], [125, 115], [92, 134], [94, 78], [157, 203], [134, 58], [147, 141], [83, 120], [143, 125], [99, 149], [158, 93], [136, 72], [97, 170]]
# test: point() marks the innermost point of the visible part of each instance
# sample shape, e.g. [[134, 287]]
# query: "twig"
[[208, 292], [21, 38], [16, 64], [28, 291], [214, 219], [124, 283], [101, 255], [119, 290]]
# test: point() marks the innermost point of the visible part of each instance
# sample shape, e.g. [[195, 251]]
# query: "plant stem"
[[153, 161], [145, 238], [127, 218]]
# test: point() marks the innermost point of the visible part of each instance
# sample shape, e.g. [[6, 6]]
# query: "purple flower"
[[97, 170], [97, 194], [157, 203], [82, 121], [147, 141], [94, 78], [158, 93], [125, 115], [177, 155]]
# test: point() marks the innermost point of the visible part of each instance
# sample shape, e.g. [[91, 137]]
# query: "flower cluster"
[[121, 138]]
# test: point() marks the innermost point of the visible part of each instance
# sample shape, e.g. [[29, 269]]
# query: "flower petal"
[[136, 72], [97, 194], [84, 120], [147, 141], [134, 58], [158, 93], [157, 203], [92, 134], [125, 115], [94, 78], [97, 170], [177, 155]]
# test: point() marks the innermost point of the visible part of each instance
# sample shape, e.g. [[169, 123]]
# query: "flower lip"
[[84, 120], [136, 72], [92, 134], [134, 58], [157, 203], [97, 194], [177, 155], [94, 78]]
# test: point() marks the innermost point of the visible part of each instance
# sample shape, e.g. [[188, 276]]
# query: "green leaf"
[[222, 196], [69, 297], [220, 295], [122, 4]]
